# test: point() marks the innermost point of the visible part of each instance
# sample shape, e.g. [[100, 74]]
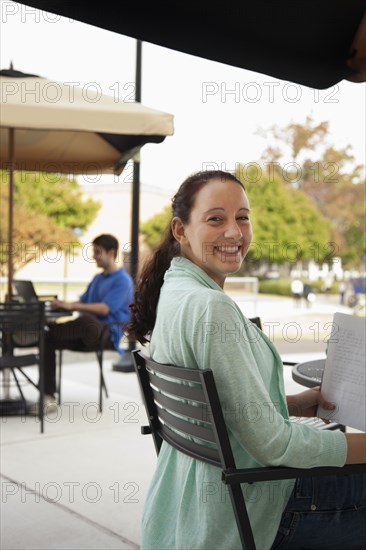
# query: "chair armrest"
[[146, 430], [251, 475]]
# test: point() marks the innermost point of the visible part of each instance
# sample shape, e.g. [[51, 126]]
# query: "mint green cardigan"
[[187, 505]]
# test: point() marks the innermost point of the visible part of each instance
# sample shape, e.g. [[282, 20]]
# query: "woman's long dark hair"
[[150, 281]]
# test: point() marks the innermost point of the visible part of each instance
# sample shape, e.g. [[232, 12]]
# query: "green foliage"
[[330, 177], [279, 288], [47, 207], [55, 196], [154, 227], [316, 212], [286, 224], [304, 136], [282, 287], [339, 193]]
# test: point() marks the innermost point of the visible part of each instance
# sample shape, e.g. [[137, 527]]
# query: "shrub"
[[282, 287]]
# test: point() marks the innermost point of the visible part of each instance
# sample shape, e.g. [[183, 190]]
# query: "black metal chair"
[[103, 344], [27, 321], [100, 347], [183, 409]]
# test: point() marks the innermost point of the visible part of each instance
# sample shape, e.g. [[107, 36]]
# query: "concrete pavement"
[[82, 484]]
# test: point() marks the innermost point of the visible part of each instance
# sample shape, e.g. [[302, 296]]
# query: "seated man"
[[105, 300]]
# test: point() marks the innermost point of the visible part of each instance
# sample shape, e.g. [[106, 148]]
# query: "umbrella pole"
[[10, 214], [125, 363], [135, 217], [136, 177]]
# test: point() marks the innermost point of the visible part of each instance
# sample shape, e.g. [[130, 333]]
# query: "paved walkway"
[[82, 484]]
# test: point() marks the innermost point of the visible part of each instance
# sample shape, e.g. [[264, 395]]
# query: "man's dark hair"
[[107, 242]]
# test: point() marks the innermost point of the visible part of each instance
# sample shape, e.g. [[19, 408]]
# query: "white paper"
[[344, 380]]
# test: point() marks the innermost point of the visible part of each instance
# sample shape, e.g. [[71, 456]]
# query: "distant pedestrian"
[[308, 294], [297, 289], [328, 283], [342, 287]]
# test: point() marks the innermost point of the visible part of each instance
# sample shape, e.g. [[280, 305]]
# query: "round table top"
[[309, 373]]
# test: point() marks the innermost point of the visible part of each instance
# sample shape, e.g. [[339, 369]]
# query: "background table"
[[309, 373]]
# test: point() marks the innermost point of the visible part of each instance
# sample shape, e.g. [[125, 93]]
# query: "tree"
[[338, 189], [153, 229], [329, 176], [298, 137], [47, 209], [287, 226], [309, 202]]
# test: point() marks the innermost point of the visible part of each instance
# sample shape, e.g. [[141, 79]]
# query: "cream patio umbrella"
[[57, 127]]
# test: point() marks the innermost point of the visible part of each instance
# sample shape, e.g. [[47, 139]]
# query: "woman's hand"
[[306, 403]]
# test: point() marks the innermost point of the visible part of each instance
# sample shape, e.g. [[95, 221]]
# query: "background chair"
[[27, 322], [103, 344], [22, 340], [189, 416]]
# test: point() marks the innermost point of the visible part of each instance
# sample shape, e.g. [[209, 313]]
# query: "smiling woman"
[[218, 233], [181, 308], [201, 229]]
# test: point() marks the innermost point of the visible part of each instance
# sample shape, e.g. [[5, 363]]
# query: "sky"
[[220, 111]]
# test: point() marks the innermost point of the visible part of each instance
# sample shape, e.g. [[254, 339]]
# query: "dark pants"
[[81, 334], [325, 513]]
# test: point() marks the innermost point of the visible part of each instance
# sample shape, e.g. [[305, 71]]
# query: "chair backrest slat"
[[191, 375], [21, 316], [185, 426], [184, 408], [21, 322], [191, 448], [178, 390]]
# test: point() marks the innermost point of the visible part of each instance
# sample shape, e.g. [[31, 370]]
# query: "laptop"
[[26, 291]]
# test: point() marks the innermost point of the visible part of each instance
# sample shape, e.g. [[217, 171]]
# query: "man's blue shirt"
[[116, 291]]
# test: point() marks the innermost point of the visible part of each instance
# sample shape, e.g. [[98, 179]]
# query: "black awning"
[[303, 41]]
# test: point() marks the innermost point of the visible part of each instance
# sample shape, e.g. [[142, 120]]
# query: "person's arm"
[[306, 403], [99, 308], [356, 448], [255, 411]]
